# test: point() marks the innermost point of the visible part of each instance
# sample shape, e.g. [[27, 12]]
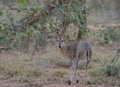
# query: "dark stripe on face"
[[60, 43]]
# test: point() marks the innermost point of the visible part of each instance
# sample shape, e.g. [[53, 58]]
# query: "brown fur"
[[76, 51]]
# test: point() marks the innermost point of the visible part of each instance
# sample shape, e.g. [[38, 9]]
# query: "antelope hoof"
[[88, 82], [69, 82], [77, 81]]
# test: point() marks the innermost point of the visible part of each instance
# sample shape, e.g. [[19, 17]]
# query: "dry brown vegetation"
[[28, 53], [49, 68]]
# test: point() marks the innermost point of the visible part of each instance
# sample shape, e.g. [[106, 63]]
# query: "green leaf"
[[2, 35], [21, 35], [1, 13], [46, 1], [23, 2]]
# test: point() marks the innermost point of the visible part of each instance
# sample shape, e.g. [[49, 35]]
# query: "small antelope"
[[75, 52]]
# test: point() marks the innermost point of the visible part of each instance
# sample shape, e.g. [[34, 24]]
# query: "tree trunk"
[[83, 22]]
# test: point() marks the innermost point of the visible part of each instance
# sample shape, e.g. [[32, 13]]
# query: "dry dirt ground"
[[46, 69], [41, 72]]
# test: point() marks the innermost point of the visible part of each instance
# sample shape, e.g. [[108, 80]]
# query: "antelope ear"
[[64, 35], [55, 35]]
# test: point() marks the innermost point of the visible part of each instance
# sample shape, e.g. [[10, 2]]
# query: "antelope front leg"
[[71, 72], [86, 68], [75, 69]]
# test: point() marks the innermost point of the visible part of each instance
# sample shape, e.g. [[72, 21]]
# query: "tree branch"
[[49, 7]]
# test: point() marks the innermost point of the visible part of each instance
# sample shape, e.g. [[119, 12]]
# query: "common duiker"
[[74, 52]]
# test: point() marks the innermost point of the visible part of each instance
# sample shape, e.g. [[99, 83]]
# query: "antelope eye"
[[62, 40]]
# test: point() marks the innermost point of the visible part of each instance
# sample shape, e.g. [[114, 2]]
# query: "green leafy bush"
[[2, 36], [1, 13], [113, 69], [109, 34]]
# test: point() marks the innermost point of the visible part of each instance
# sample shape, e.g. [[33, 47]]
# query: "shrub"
[[109, 34], [113, 69]]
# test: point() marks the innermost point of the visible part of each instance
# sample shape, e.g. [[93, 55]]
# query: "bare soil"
[[52, 75], [48, 78]]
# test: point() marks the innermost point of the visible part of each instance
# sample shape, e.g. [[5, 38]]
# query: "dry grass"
[[59, 73], [51, 68]]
